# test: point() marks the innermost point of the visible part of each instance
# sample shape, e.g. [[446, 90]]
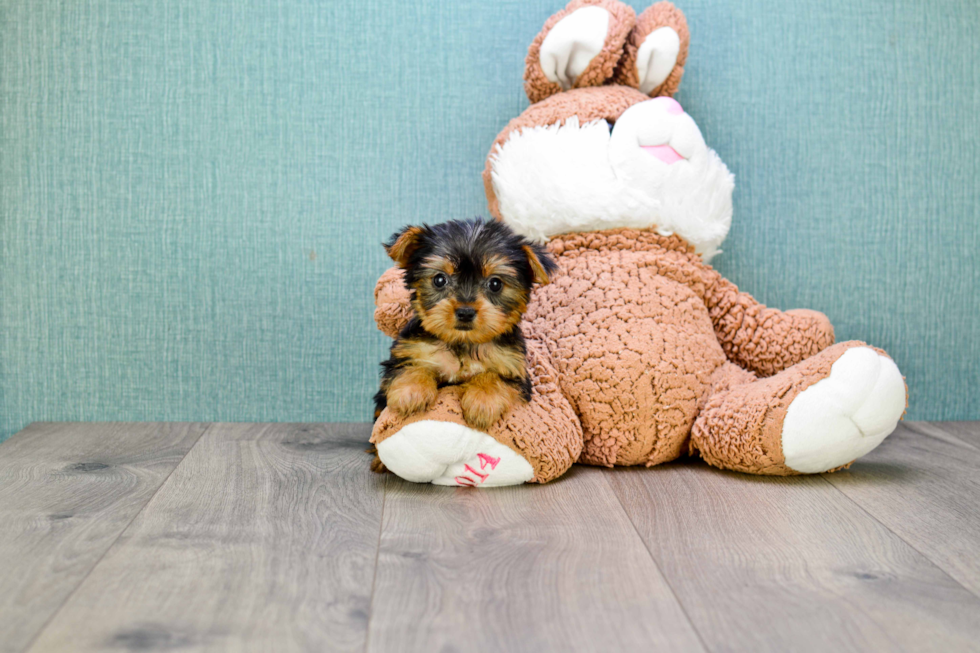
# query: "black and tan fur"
[[470, 282]]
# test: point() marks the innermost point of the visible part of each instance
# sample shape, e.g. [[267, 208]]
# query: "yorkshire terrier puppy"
[[470, 282]]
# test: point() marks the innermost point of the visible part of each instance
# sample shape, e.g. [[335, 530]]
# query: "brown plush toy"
[[639, 351]]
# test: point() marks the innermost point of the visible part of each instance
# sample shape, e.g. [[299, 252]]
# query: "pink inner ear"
[[665, 153]]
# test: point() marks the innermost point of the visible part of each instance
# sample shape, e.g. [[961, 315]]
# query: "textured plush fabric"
[[193, 194], [741, 428], [661, 14], [392, 309], [621, 21], [625, 321]]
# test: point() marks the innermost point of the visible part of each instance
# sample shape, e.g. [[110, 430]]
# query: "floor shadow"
[[876, 473]]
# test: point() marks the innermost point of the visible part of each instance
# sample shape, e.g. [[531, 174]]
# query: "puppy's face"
[[471, 280], [465, 295]]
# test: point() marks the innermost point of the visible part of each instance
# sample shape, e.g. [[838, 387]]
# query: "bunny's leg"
[[816, 416], [532, 443]]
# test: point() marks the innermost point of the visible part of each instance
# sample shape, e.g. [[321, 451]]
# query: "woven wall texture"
[[192, 194]]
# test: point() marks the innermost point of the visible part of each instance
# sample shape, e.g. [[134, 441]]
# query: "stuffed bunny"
[[639, 351]]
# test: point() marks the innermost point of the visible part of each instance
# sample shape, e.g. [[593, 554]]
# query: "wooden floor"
[[269, 538]]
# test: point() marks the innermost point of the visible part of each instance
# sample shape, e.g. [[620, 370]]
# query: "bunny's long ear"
[[655, 51], [579, 46]]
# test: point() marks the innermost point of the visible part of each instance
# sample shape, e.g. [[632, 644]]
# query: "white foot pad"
[[846, 415], [444, 453]]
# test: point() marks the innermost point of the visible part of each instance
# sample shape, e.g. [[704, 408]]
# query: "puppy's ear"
[[542, 265], [403, 244]]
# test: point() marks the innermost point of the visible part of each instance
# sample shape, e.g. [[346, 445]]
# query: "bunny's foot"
[[816, 416]]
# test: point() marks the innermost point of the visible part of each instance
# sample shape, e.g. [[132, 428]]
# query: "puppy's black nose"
[[465, 314]]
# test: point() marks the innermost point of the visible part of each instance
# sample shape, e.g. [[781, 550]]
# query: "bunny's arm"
[[391, 299], [760, 339]]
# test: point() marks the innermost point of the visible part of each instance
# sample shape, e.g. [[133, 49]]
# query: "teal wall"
[[192, 193]]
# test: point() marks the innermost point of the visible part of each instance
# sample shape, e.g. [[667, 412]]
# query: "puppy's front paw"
[[485, 399], [377, 466], [412, 392], [480, 413]]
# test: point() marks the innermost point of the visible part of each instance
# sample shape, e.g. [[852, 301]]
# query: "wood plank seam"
[[826, 574], [377, 557], [677, 598], [82, 580], [259, 541], [887, 528]]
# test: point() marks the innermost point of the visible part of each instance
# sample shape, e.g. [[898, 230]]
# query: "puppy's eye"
[[495, 284], [440, 280]]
